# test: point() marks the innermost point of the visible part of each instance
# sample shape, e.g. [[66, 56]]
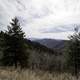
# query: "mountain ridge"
[[52, 43]]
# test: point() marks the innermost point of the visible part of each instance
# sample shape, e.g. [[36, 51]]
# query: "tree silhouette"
[[15, 53], [73, 51]]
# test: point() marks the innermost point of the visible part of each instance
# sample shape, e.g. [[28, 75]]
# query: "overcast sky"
[[42, 18]]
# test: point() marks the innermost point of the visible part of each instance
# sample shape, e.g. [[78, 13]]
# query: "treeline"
[[17, 51]]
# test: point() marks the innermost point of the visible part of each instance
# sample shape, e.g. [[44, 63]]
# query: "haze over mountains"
[[52, 43]]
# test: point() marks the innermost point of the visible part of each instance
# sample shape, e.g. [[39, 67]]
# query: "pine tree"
[[15, 53], [73, 51]]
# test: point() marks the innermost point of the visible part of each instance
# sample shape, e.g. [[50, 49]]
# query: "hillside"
[[52, 43], [37, 46]]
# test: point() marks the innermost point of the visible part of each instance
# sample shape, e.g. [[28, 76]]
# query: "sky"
[[55, 19]]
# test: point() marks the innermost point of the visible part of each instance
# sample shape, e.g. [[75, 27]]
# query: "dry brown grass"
[[17, 74]]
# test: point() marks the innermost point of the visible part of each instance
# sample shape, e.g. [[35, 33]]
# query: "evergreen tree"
[[15, 52], [73, 51]]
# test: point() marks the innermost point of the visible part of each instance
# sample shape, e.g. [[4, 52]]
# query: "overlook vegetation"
[[18, 52]]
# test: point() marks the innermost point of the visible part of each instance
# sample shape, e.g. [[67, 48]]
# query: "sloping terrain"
[[52, 43]]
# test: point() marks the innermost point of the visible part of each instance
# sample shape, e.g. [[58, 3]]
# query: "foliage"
[[2, 46], [73, 51], [15, 52]]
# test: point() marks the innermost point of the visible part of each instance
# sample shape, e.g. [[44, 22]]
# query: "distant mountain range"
[[37, 46], [52, 43]]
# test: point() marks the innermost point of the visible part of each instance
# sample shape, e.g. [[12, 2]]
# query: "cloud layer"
[[41, 18]]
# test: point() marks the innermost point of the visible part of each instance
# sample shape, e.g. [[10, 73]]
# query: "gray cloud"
[[59, 15], [60, 28]]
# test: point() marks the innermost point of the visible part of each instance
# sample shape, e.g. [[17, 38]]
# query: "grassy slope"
[[12, 74]]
